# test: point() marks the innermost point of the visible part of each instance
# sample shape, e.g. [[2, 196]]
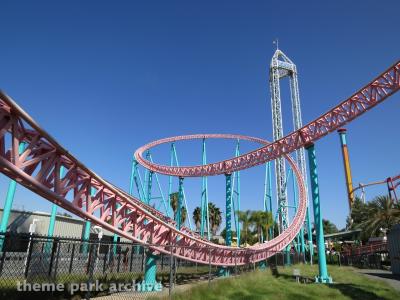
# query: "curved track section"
[[87, 195], [366, 98]]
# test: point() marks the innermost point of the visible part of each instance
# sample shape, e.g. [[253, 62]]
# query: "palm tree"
[[256, 220], [174, 199], [183, 215], [244, 218], [262, 221], [382, 213], [267, 222], [215, 216], [197, 218]]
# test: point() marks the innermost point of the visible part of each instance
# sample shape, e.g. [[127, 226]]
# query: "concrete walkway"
[[387, 276]]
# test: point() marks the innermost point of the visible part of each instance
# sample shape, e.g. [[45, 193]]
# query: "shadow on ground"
[[355, 292], [385, 275], [350, 290]]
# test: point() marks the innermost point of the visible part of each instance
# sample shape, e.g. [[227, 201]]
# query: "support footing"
[[223, 272], [319, 279]]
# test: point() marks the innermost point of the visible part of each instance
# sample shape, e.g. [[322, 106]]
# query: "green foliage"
[[329, 227], [174, 199], [261, 285], [379, 213], [215, 216], [255, 226]]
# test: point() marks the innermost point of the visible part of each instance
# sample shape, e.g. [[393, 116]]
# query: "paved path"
[[387, 276]]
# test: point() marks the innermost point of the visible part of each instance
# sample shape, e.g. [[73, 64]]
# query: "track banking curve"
[[90, 197], [366, 98], [87, 195]]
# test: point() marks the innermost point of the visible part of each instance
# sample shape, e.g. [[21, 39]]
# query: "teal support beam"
[[52, 222], [180, 202], [299, 240], [86, 236], [268, 196], [236, 194], [137, 180], [183, 191], [224, 271], [309, 234], [228, 207], [150, 271], [53, 215], [9, 202], [171, 163], [205, 218], [166, 208], [86, 231], [323, 276], [149, 187]]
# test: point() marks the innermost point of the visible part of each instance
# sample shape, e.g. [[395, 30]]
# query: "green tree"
[[382, 213], [244, 218], [197, 217], [174, 199], [329, 227], [262, 221], [215, 217]]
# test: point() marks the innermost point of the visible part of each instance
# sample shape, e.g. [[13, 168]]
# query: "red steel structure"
[[367, 249], [366, 98], [38, 169]]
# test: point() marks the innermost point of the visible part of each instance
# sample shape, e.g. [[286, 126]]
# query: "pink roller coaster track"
[[38, 169], [366, 98]]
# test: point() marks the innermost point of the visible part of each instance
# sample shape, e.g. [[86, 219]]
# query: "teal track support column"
[[228, 206], [204, 222], [86, 231], [287, 255], [180, 204], [86, 236], [323, 270], [150, 269], [224, 271], [9, 202], [52, 224], [309, 234]]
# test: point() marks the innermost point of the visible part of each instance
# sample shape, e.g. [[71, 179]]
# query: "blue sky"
[[105, 77]]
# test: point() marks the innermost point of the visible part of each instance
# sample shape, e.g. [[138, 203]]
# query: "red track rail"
[[38, 169], [367, 249], [366, 98]]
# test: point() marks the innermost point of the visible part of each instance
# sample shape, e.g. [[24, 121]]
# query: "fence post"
[[130, 265], [3, 257], [119, 260], [28, 259], [53, 252], [105, 259], [57, 258], [170, 272], [209, 266], [91, 266], [71, 259]]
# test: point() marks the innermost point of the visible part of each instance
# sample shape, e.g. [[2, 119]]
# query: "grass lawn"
[[263, 285]]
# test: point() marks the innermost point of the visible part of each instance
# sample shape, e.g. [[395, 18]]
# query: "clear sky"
[[105, 77]]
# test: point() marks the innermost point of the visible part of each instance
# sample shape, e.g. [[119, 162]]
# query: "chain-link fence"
[[33, 267]]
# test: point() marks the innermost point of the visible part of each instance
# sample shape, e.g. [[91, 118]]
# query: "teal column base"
[[262, 265], [287, 257], [319, 279], [150, 284], [223, 272]]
